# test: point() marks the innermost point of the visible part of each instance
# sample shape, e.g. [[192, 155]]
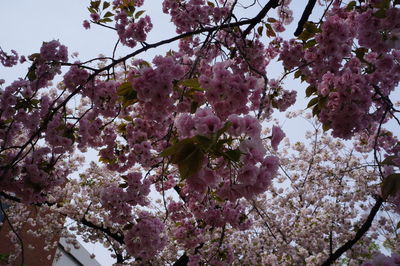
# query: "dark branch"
[[306, 14], [182, 261], [117, 237], [106, 231], [360, 233], [14, 231], [260, 15]]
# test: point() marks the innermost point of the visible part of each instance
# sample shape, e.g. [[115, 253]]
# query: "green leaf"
[[123, 185], [108, 14], [91, 10], [171, 150], [226, 126], [193, 107], [297, 74], [143, 64], [322, 102], [310, 29], [211, 4], [191, 164], [310, 90], [126, 91], [139, 13], [4, 257], [34, 57], [316, 111], [105, 5], [184, 151], [179, 150], [127, 94], [310, 43], [381, 13], [270, 30], [127, 227], [127, 103], [204, 142], [124, 88], [103, 20], [191, 83], [233, 155], [390, 185], [4, 123], [326, 127], [360, 52], [383, 4], [107, 160], [351, 6], [32, 74], [260, 30], [95, 5], [121, 128], [388, 160], [312, 102], [35, 102], [69, 133], [130, 10]]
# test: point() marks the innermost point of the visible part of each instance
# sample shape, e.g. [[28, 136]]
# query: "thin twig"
[[360, 233], [14, 231]]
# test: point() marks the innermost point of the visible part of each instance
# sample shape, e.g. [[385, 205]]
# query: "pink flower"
[[253, 149], [185, 125], [145, 239], [86, 24], [207, 125], [277, 136], [248, 174], [95, 17]]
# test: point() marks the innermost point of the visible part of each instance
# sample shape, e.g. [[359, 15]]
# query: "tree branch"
[[360, 233], [117, 237], [182, 261], [306, 14], [14, 231], [260, 15]]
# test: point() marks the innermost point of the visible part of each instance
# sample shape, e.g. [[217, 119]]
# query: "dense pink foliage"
[[194, 127]]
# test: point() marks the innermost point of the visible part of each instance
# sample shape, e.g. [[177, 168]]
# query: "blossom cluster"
[[132, 32], [344, 80], [189, 15], [227, 92], [8, 60], [190, 124], [145, 239], [154, 86], [257, 170], [119, 201]]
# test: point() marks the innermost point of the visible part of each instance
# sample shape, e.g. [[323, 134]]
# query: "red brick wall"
[[35, 257]]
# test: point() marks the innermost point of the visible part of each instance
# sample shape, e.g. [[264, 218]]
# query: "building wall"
[[32, 257], [67, 255], [61, 255]]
